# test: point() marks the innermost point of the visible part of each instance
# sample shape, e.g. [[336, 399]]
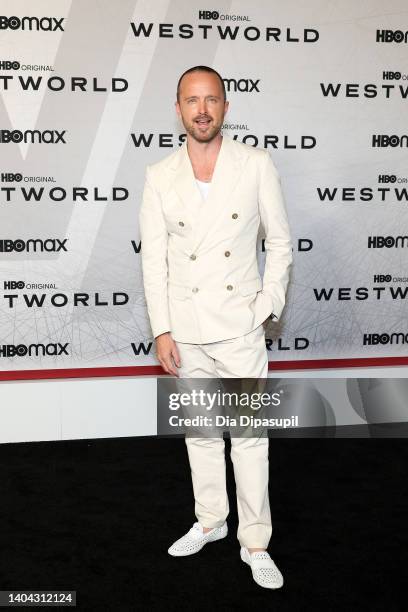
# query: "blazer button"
[[227, 253], [235, 216], [195, 289], [193, 256], [230, 287], [181, 223]]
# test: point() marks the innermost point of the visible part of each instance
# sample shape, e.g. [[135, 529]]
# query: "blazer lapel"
[[185, 184], [227, 171], [203, 216]]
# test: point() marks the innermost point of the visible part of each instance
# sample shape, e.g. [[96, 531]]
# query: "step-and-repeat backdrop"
[[87, 100]]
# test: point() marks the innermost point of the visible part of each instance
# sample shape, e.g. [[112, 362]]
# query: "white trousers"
[[242, 357]]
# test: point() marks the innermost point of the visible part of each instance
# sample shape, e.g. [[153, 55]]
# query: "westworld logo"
[[249, 33], [56, 83]]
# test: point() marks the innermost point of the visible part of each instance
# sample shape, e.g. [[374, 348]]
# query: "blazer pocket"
[[177, 291], [249, 287]]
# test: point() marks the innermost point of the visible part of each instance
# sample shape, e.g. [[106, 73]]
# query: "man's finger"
[[176, 355], [169, 366]]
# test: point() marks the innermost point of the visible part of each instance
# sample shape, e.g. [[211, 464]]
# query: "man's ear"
[[226, 107], [177, 105]]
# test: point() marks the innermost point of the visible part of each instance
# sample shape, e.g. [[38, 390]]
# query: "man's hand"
[[167, 353]]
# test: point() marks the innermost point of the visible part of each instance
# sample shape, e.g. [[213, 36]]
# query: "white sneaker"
[[194, 540], [264, 570]]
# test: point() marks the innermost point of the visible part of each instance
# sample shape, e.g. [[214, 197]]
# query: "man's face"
[[201, 105]]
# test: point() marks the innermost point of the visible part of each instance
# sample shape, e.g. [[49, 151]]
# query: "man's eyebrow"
[[209, 96]]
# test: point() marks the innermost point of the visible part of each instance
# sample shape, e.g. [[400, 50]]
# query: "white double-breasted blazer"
[[199, 258]]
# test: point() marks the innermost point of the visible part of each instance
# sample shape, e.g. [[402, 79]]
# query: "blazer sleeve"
[[278, 243], [154, 238]]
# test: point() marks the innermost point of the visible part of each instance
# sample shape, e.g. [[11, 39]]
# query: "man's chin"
[[203, 136]]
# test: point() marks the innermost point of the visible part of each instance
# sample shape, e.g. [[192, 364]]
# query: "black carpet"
[[98, 516]]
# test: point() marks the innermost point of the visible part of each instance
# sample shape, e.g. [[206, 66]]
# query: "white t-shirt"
[[204, 188]]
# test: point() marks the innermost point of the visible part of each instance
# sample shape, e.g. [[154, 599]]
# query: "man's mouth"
[[203, 122]]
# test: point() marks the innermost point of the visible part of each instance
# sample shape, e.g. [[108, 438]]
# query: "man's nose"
[[202, 107]]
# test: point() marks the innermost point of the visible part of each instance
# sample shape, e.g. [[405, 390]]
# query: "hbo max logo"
[[389, 36], [32, 136], [49, 24], [387, 242]]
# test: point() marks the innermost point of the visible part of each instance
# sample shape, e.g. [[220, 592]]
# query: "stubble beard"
[[203, 137]]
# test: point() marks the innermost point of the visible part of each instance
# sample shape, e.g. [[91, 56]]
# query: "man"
[[199, 219]]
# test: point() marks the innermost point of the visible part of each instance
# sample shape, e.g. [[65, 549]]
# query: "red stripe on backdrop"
[[302, 364]]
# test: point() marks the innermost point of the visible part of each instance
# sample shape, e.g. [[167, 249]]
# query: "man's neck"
[[203, 150]]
